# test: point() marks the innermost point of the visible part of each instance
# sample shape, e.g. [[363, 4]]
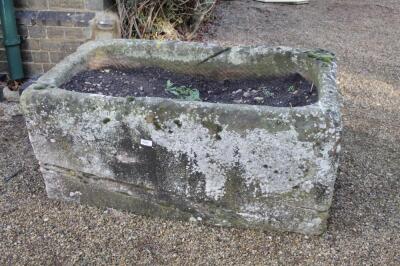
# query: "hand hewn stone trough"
[[223, 164]]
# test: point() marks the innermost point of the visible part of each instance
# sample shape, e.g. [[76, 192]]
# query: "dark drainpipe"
[[11, 39]]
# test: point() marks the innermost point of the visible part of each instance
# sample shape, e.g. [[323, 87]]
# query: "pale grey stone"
[[9, 95], [224, 164]]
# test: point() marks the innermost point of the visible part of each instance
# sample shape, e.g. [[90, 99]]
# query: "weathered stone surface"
[[224, 164], [9, 95], [9, 110]]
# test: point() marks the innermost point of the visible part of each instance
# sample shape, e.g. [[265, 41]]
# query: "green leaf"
[[183, 92], [322, 56], [169, 84]]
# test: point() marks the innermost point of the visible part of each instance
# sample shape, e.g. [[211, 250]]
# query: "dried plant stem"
[[165, 19]]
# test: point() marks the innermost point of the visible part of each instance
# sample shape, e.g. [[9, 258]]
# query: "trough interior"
[[289, 91], [231, 64]]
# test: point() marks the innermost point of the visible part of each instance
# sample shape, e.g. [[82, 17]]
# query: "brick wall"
[[52, 29]]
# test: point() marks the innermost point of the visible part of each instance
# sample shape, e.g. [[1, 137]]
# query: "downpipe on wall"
[[12, 40]]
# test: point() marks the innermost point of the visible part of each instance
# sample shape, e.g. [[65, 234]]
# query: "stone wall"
[[52, 29]]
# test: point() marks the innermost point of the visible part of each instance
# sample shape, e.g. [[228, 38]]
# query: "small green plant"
[[130, 99], [291, 89], [183, 92], [322, 56], [268, 93]]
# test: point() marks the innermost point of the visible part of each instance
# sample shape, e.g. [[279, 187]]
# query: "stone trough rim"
[[328, 95]]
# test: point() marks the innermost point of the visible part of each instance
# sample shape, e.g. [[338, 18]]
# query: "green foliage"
[[291, 89], [268, 93], [322, 56], [130, 99], [183, 92]]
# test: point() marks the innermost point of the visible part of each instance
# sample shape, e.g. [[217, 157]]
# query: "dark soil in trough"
[[292, 90]]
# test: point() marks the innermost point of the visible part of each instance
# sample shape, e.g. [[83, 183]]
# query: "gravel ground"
[[364, 33], [364, 226]]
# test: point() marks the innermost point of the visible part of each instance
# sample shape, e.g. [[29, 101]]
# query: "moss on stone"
[[213, 128], [321, 56], [106, 120], [157, 125], [130, 99], [178, 123], [235, 188], [39, 87]]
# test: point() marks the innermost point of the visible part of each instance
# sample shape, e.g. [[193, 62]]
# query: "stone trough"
[[239, 165]]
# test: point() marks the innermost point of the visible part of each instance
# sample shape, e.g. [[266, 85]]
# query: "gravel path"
[[364, 227], [364, 34]]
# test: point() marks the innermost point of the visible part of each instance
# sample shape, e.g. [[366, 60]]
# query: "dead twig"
[[155, 19], [215, 55], [8, 178]]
